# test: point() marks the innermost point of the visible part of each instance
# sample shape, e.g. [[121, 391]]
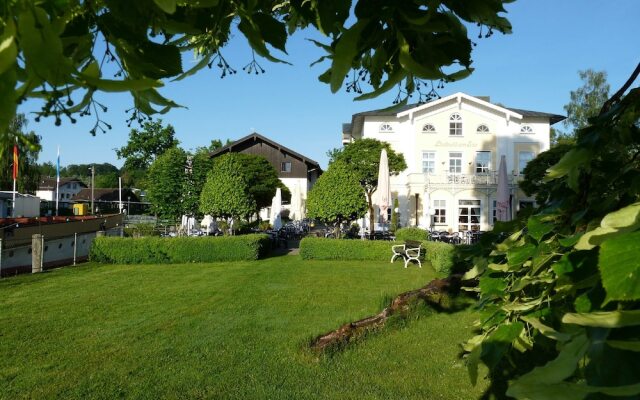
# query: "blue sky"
[[534, 68]]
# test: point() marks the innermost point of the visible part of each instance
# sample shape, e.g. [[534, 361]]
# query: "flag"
[[15, 162], [58, 167]]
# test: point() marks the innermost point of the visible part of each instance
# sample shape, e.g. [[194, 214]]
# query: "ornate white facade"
[[452, 147]]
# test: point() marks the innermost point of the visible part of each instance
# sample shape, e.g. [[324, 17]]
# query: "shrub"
[[142, 229], [154, 250], [440, 255], [411, 233], [344, 249]]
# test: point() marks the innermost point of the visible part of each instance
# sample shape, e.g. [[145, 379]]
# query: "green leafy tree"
[[262, 179], [107, 180], [336, 197], [560, 296], [587, 100], [194, 179], [363, 157], [145, 145], [28, 150], [226, 192], [166, 183], [48, 47], [47, 168], [533, 183]]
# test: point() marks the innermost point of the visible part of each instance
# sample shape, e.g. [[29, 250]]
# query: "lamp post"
[[93, 176], [129, 204]]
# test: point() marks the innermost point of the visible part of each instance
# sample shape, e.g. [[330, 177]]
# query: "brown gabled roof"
[[104, 194], [256, 136], [49, 182]]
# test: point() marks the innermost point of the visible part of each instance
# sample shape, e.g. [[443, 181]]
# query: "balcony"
[[454, 179]]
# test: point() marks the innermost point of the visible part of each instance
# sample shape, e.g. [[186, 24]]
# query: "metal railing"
[[479, 179]]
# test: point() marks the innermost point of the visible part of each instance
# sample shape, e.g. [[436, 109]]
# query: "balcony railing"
[[486, 179]]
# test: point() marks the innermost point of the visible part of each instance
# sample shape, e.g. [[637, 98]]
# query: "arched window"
[[428, 128], [482, 129], [455, 125], [526, 130], [386, 128]]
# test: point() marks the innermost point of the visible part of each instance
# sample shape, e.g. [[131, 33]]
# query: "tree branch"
[[616, 97]]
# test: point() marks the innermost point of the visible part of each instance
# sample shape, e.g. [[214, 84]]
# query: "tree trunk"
[[372, 214], [432, 294]]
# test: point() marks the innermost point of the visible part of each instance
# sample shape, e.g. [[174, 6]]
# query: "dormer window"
[[428, 128], [526, 130], [455, 125], [386, 128], [482, 129]]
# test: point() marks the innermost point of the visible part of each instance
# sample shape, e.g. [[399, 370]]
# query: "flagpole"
[[58, 181], [15, 174], [14, 197]]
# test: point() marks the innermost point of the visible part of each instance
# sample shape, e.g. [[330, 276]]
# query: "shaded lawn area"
[[223, 330]]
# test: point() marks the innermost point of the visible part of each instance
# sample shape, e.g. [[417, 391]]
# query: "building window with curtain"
[[483, 162], [285, 166], [428, 162], [455, 162], [439, 211], [455, 125], [523, 159]]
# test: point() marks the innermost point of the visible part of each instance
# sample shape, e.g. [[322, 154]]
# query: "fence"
[[46, 252]]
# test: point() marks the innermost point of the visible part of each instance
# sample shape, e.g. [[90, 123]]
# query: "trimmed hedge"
[[156, 250], [313, 248], [440, 255], [411, 233]]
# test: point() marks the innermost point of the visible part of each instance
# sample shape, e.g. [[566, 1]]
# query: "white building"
[[68, 188], [452, 147]]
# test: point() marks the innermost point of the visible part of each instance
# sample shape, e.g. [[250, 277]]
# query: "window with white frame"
[[386, 128], [469, 214], [439, 211], [483, 162], [523, 159], [455, 162], [494, 212], [526, 130], [428, 162], [482, 129], [455, 125], [428, 128], [285, 166]]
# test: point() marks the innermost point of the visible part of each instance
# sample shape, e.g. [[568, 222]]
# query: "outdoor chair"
[[411, 250]]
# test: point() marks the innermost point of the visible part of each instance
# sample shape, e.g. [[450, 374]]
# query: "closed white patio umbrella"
[[207, 223], [383, 194], [276, 208], [295, 208], [502, 195]]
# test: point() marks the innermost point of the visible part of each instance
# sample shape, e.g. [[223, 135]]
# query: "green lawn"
[[224, 330]]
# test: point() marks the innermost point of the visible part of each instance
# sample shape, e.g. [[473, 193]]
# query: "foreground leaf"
[[619, 265]]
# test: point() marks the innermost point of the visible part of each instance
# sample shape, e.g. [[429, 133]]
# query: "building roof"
[[255, 137], [49, 183], [104, 194], [553, 118], [358, 119]]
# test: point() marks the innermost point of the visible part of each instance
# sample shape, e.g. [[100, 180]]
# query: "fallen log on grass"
[[436, 293]]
